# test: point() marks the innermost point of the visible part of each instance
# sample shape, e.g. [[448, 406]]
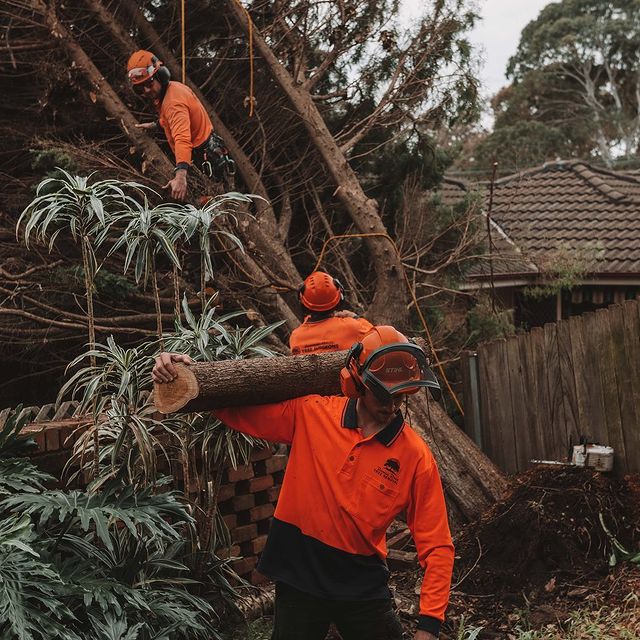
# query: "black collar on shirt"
[[386, 437]]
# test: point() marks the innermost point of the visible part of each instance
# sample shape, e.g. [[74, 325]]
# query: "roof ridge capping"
[[590, 175]]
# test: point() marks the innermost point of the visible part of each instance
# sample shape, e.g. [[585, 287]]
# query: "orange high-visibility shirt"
[[340, 493], [184, 120], [329, 334]]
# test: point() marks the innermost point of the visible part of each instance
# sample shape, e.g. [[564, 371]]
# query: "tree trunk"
[[471, 481], [389, 304]]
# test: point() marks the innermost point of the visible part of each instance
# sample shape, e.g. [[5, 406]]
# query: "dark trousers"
[[300, 616]]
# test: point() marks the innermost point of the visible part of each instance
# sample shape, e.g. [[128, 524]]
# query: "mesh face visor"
[[397, 369]]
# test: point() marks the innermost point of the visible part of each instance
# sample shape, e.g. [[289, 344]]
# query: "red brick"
[[229, 552], [52, 438], [273, 493], [262, 512], [226, 491], [255, 484], [244, 566], [244, 533], [255, 546], [40, 441], [242, 503], [273, 464], [257, 578], [244, 472], [261, 454], [230, 520]]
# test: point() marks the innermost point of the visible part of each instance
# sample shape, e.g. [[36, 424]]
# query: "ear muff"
[[350, 383], [163, 75]]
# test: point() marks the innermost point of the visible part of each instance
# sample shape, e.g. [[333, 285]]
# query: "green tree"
[[575, 87]]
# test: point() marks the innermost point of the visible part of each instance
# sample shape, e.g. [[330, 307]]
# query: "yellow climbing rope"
[[183, 27], [413, 297], [250, 99]]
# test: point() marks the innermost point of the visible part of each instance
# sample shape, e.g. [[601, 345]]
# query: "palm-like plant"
[[93, 565], [84, 209], [204, 222], [150, 231], [208, 338], [117, 388]]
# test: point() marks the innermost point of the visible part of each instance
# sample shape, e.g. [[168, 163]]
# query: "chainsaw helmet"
[[387, 364], [320, 292], [143, 65]]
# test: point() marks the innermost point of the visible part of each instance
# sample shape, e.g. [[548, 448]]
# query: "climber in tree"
[[183, 119]]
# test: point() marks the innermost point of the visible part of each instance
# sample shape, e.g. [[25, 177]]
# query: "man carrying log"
[[326, 327], [354, 465], [183, 119]]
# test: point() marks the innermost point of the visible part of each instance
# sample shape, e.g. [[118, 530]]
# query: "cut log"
[[237, 383]]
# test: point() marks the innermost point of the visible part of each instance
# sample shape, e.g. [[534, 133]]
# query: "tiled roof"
[[507, 259], [567, 206]]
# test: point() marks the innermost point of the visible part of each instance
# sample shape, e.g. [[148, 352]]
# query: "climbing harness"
[[214, 159]]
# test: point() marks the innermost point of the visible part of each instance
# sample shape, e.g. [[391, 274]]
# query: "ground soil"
[[536, 556], [541, 552]]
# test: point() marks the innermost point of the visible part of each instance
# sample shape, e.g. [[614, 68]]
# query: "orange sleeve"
[[365, 327], [427, 520], [274, 422], [179, 123]]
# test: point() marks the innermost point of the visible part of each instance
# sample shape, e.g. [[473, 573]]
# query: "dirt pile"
[[550, 525], [542, 549]]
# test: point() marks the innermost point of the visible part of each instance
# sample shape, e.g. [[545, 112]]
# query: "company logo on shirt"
[[390, 470]]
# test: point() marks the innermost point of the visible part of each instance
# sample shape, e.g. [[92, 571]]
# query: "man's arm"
[[177, 116], [427, 520]]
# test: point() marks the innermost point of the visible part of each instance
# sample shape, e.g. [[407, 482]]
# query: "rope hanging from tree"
[[250, 99], [183, 26]]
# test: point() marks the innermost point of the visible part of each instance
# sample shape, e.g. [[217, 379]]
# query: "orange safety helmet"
[[386, 363], [141, 66], [320, 292]]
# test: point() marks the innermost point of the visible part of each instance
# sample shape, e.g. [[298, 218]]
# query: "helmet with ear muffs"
[[387, 364], [143, 65]]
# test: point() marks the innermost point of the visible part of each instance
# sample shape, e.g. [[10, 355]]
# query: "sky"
[[497, 34]]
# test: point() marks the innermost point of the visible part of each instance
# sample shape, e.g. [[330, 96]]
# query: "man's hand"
[[424, 635], [178, 185], [146, 125], [163, 369]]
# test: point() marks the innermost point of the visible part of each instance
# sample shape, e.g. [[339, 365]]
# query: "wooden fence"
[[532, 395]]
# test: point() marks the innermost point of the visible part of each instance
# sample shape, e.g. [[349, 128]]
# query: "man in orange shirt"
[[326, 327], [354, 465], [183, 119]]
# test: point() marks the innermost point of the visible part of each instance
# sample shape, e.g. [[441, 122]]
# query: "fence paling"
[[542, 390]]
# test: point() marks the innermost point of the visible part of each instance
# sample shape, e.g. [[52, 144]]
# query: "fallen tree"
[[309, 150]]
